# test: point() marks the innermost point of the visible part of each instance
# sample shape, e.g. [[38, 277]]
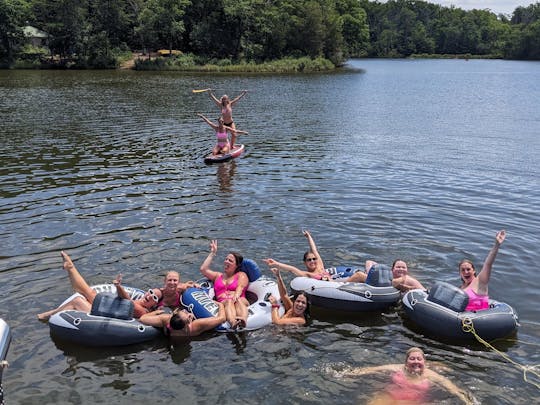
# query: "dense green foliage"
[[400, 28], [96, 33]]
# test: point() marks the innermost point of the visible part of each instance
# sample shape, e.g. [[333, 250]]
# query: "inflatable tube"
[[200, 302], [346, 296], [110, 323], [441, 313], [251, 269], [5, 341]]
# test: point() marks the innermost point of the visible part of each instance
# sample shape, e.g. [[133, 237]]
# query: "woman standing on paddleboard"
[[225, 106]]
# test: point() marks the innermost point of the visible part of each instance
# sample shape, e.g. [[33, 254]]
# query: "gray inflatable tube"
[[376, 294], [442, 313], [110, 322]]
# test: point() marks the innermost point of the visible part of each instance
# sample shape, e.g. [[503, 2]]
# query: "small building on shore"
[[35, 36]]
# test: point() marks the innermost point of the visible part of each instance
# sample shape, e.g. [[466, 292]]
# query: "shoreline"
[[187, 63]]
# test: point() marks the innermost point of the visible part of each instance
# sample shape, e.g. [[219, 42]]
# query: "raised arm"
[[485, 273], [287, 302], [286, 267], [207, 121], [237, 131], [313, 248], [214, 98], [202, 325], [244, 92], [119, 289], [205, 266]]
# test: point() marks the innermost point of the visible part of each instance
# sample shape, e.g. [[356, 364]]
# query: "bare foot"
[[240, 323], [44, 316]]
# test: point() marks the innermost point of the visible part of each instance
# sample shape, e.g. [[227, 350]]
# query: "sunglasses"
[[153, 295], [311, 259]]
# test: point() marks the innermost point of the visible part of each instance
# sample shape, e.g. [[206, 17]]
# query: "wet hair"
[[238, 258], [307, 253], [398, 260], [172, 271], [414, 349], [176, 322], [466, 261], [308, 303], [469, 262]]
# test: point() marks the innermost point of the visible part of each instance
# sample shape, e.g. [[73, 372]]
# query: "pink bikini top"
[[403, 389], [477, 302], [224, 291]]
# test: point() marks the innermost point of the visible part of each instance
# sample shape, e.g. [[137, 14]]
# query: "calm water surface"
[[423, 160]]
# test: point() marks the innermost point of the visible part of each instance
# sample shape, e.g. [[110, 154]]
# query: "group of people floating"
[[410, 381], [225, 124]]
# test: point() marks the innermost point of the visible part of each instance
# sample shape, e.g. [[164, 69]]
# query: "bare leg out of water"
[[79, 284], [241, 309], [77, 304]]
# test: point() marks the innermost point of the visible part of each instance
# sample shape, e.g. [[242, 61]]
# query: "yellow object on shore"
[[168, 52]]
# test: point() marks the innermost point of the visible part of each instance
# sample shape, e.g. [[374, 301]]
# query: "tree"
[[13, 14], [66, 23], [161, 22]]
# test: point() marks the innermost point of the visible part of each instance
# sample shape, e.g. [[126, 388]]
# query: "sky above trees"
[[497, 6]]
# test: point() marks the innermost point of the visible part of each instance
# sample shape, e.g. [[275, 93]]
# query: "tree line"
[[95, 33]]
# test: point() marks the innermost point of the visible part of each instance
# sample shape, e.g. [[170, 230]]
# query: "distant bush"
[[188, 62]]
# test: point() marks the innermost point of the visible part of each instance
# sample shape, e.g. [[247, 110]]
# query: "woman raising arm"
[[229, 286], [312, 261], [296, 309]]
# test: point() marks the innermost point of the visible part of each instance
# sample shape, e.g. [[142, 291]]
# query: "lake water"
[[419, 159]]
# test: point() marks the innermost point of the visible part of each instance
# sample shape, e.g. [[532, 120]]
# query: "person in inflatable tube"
[[181, 324], [475, 286], [230, 286], [141, 306], [312, 260], [173, 289], [296, 310], [400, 276], [411, 382]]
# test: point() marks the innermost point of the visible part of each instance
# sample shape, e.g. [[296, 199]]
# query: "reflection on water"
[[225, 173], [422, 160]]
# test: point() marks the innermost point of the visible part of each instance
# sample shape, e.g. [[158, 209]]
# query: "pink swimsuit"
[[404, 390], [477, 302], [176, 300], [224, 291], [222, 139], [322, 276]]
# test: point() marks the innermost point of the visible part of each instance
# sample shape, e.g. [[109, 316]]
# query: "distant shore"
[[189, 63]]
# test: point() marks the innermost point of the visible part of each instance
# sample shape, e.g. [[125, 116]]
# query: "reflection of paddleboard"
[[237, 151]]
